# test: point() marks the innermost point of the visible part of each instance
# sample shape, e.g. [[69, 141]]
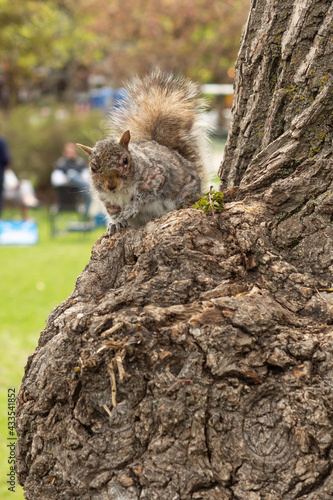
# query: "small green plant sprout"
[[210, 202]]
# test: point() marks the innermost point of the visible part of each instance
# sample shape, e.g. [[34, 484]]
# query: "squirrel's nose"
[[111, 185]]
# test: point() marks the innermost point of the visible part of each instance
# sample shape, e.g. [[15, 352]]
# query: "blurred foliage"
[[36, 35], [199, 38], [36, 137]]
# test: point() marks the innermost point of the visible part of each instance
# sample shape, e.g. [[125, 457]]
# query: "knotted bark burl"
[[221, 350]]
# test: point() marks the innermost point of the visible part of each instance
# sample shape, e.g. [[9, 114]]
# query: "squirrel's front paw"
[[113, 227]]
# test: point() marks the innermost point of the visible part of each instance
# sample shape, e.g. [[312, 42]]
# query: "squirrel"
[[158, 161]]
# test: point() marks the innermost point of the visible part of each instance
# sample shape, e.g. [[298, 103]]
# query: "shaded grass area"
[[33, 280]]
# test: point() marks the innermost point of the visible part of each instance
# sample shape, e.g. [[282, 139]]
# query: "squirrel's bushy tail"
[[165, 109]]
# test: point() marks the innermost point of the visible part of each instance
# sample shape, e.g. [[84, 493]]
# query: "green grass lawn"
[[33, 280]]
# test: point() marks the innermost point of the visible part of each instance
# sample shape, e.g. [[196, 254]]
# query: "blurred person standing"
[[4, 162], [71, 170]]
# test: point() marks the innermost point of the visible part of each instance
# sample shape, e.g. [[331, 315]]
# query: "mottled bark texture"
[[194, 359], [282, 111]]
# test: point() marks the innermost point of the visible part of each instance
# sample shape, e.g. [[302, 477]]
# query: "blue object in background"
[[101, 98], [14, 232], [100, 220], [107, 98]]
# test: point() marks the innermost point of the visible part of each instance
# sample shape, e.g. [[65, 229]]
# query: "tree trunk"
[[282, 119], [194, 359]]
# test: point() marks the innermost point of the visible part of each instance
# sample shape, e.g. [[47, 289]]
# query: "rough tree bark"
[[194, 359]]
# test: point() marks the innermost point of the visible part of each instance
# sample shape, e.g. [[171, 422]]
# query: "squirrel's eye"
[[93, 167], [124, 162]]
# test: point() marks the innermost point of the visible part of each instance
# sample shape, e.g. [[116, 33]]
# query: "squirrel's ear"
[[125, 138], [85, 148]]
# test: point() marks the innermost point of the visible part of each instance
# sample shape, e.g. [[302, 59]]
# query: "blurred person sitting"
[[21, 193], [4, 162], [71, 170]]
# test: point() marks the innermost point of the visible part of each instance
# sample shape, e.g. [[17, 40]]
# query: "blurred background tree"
[[199, 38], [56, 53], [38, 39]]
